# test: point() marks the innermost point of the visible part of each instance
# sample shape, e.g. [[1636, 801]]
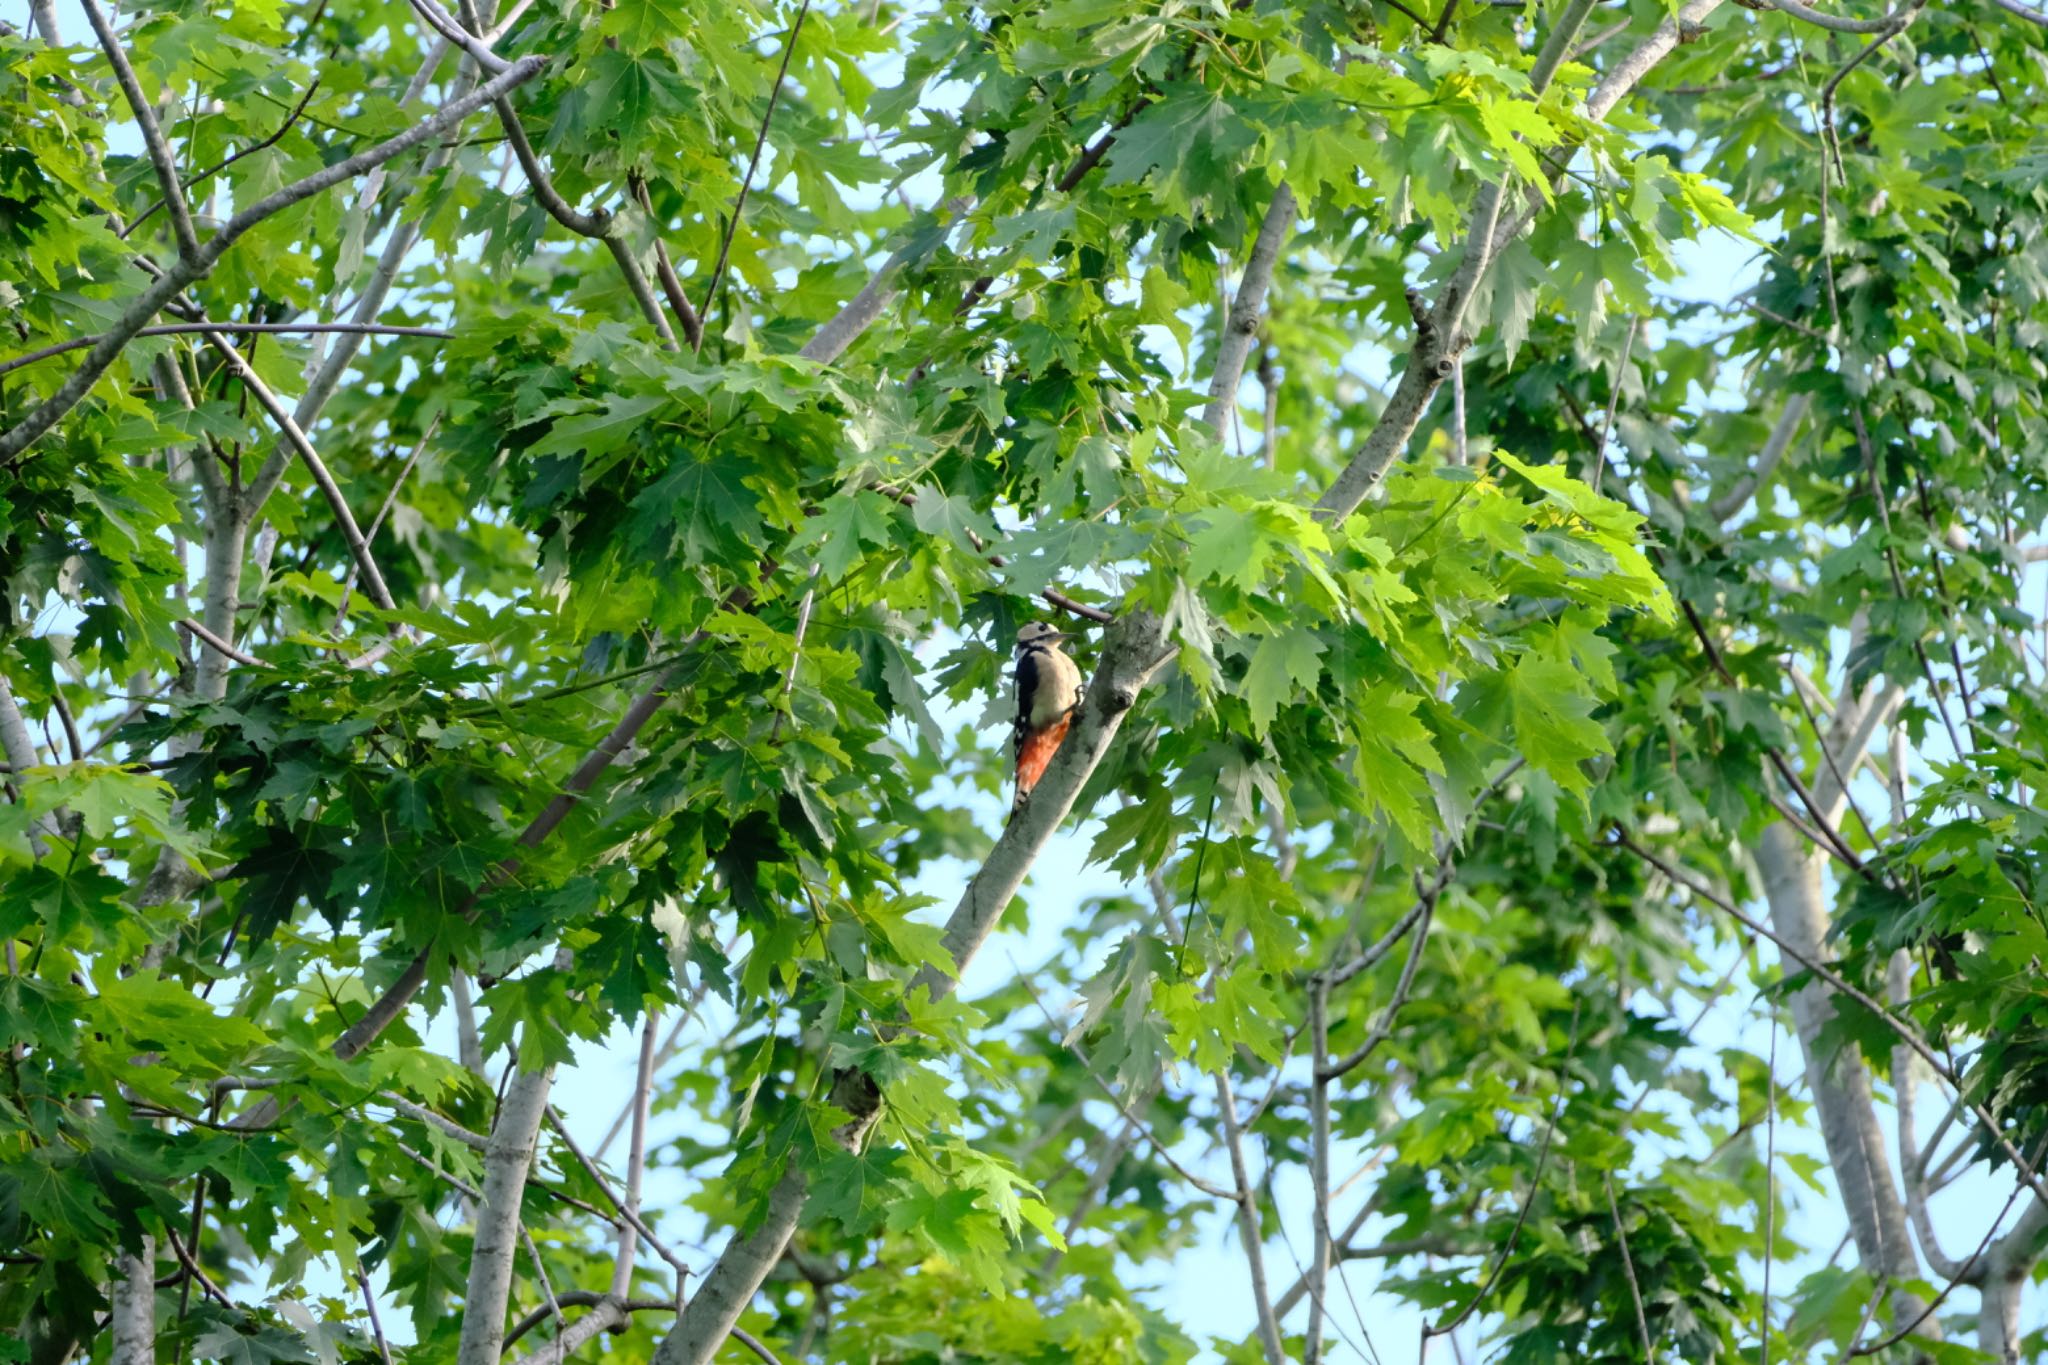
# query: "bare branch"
[[152, 136], [390, 498], [179, 328], [1439, 337], [1628, 344], [1241, 328], [419, 1113], [1834, 23], [1841, 986], [611, 1313], [1318, 1273], [1248, 1220], [1628, 1263], [1381, 1029], [220, 646], [445, 24], [1775, 446], [629, 1208], [2026, 12], [376, 1320], [636, 1159], [373, 580], [217, 167]]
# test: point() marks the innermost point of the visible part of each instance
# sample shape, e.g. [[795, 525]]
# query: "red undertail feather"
[[1035, 753]]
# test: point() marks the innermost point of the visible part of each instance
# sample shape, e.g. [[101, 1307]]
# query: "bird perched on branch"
[[1048, 694]]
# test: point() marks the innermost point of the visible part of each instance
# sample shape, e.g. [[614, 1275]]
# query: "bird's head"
[[1038, 633]]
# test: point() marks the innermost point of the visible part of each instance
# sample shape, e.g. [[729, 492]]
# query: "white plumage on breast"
[[1048, 686]]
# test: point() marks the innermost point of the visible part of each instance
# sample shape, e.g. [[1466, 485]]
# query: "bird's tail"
[[1034, 755]]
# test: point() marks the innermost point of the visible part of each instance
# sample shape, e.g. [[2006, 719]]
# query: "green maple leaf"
[[1394, 750], [1281, 663], [641, 25], [155, 1013], [1553, 720], [264, 1346], [1190, 142], [1232, 547], [597, 435], [55, 1192], [627, 96], [838, 532], [700, 506], [853, 1187]]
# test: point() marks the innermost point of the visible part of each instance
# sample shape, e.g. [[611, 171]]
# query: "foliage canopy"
[[511, 522]]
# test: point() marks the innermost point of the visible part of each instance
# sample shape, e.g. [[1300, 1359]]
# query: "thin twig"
[[390, 499], [376, 1321], [752, 1343], [217, 167], [1385, 1024], [220, 646], [193, 1269], [1628, 344], [632, 1217], [1529, 1202], [1122, 1106], [739, 203], [1628, 1264]]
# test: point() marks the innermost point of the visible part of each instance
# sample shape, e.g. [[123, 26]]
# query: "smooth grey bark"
[[496, 1247], [20, 748], [1767, 459], [1838, 1078], [1241, 327], [134, 1317], [1998, 1314], [1439, 330], [715, 1308]]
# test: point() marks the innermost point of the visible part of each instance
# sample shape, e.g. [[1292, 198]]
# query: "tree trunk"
[[506, 1162]]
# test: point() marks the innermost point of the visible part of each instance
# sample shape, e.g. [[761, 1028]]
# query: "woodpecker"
[[1048, 694]]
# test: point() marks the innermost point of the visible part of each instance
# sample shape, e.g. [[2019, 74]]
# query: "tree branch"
[[1439, 334], [497, 1237], [185, 269], [1241, 328], [152, 136], [1775, 446], [1841, 986], [179, 328]]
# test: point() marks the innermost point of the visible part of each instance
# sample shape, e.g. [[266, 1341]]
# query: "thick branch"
[[1439, 334], [1739, 493], [497, 1219], [1241, 328]]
